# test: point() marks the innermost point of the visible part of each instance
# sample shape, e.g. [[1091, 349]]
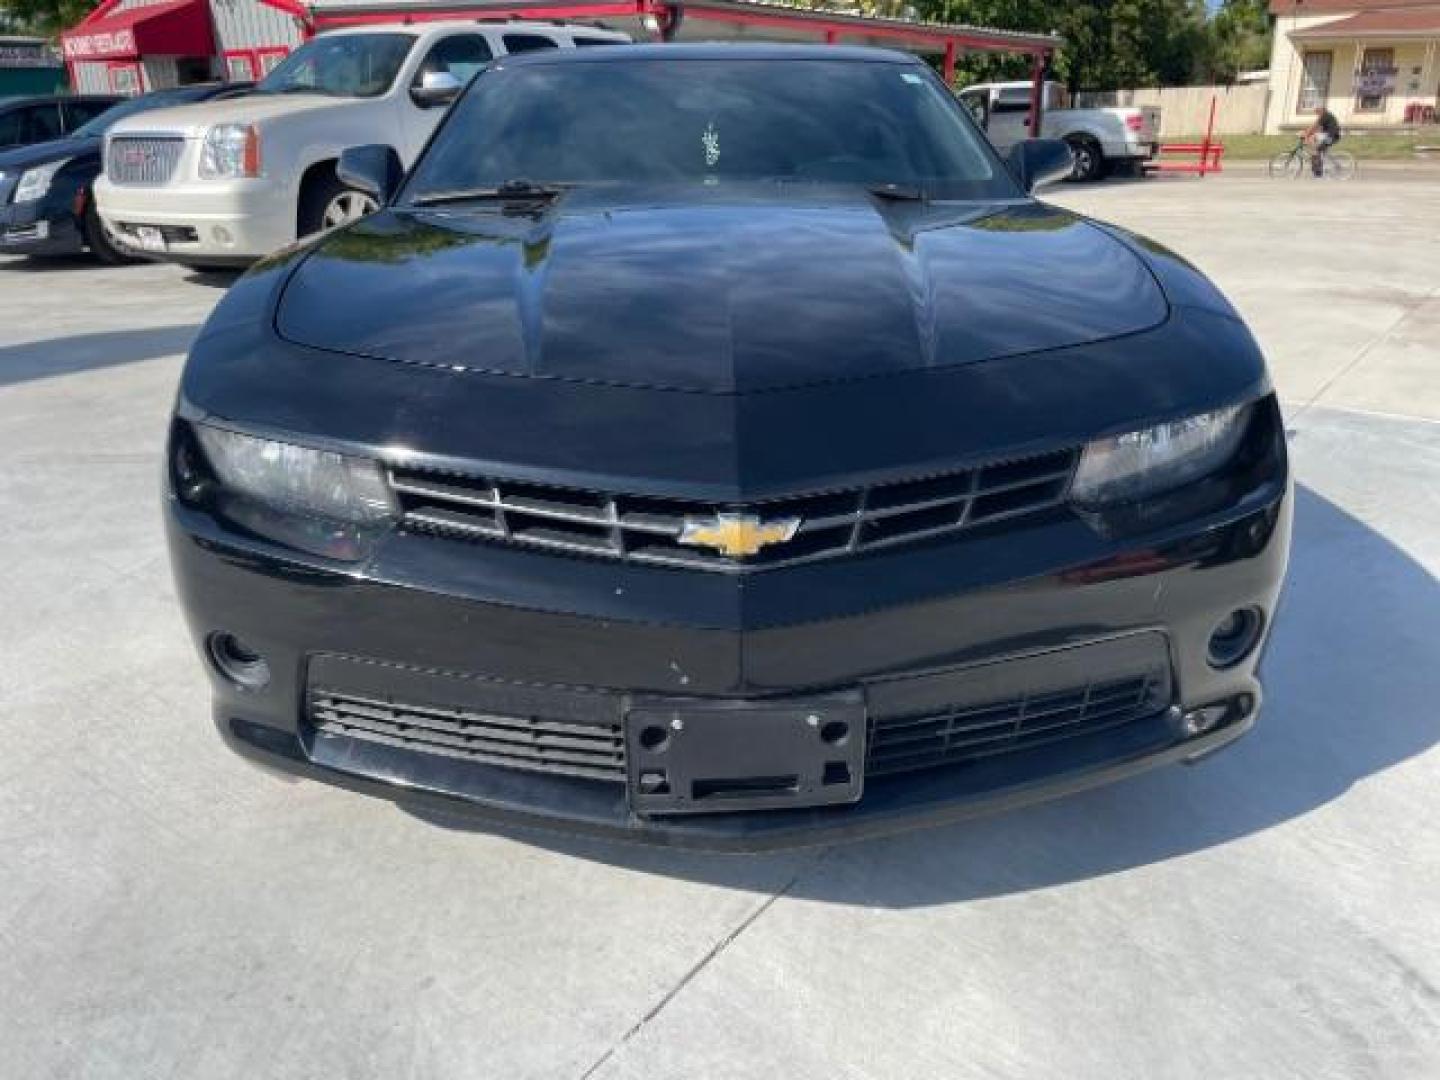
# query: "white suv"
[[225, 183]]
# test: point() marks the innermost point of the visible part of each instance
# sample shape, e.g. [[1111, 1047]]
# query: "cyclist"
[[1322, 134]]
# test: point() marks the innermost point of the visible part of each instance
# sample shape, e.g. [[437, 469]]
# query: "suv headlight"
[[296, 479], [1140, 464], [230, 150], [35, 183]]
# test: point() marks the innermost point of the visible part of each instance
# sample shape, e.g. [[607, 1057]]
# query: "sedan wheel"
[[347, 206]]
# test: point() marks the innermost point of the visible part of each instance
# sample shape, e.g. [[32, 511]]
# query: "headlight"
[[297, 479], [230, 150], [1139, 464], [34, 183]]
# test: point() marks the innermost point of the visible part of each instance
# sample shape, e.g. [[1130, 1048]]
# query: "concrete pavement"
[[167, 911]]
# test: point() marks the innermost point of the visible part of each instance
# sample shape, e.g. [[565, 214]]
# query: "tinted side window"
[[462, 56], [79, 112], [43, 123], [583, 42], [518, 43], [10, 124]]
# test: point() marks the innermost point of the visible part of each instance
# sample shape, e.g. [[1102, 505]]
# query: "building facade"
[[1373, 63], [130, 46]]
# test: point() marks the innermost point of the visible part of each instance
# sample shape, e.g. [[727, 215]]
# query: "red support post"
[[832, 37], [1037, 91], [1205, 143], [949, 68]]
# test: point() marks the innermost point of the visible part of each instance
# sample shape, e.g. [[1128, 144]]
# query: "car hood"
[[722, 293], [28, 157], [195, 119]]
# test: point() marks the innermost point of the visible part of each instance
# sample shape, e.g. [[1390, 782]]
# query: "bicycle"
[[1334, 164]]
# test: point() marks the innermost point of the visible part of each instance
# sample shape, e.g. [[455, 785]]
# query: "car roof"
[[445, 25], [51, 99], [619, 54]]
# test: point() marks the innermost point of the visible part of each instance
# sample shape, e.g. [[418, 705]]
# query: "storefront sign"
[[103, 46]]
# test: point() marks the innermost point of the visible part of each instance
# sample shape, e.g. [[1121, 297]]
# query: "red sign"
[[102, 46]]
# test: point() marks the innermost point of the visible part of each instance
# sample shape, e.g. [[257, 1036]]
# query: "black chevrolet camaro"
[[720, 446]]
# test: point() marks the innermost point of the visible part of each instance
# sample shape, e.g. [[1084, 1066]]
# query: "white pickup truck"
[[224, 183], [1099, 138]]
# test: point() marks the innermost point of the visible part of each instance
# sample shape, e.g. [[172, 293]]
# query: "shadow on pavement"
[[213, 279], [89, 352], [1351, 684], [53, 264]]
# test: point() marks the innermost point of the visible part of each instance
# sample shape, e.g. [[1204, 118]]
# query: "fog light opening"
[[238, 662], [1235, 637], [1202, 721]]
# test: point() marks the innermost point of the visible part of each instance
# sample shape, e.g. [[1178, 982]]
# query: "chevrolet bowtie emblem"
[[737, 535]]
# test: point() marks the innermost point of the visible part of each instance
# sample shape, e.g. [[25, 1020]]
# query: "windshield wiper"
[[518, 190], [898, 192]]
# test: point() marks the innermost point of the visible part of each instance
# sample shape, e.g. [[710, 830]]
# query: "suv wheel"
[[98, 238], [328, 204]]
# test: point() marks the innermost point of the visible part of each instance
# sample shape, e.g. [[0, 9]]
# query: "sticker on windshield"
[[912, 78], [711, 141]]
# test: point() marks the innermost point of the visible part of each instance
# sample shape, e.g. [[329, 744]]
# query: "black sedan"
[[46, 207], [719, 446]]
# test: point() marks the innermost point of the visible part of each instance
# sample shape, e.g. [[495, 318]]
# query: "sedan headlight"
[[296, 479], [1140, 464], [35, 183], [230, 151]]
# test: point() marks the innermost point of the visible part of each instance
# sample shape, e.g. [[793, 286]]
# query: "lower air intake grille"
[[904, 743], [520, 742]]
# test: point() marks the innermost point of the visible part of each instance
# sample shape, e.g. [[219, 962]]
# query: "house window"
[[270, 59], [1375, 81], [240, 66], [1314, 81], [126, 79]]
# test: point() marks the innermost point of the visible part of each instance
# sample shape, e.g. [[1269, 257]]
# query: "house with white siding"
[[130, 46], [1373, 63]]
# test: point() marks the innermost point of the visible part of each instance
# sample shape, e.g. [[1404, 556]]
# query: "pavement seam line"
[[1367, 348], [701, 964]]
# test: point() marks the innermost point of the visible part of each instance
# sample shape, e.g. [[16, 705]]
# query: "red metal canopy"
[[173, 28]]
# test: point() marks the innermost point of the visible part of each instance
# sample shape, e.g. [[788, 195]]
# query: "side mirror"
[[436, 89], [374, 169], [1037, 162]]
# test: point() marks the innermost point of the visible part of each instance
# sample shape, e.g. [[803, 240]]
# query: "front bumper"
[[35, 229], [456, 644], [221, 222]]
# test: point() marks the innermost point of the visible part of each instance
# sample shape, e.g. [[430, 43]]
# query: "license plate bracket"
[[685, 756]]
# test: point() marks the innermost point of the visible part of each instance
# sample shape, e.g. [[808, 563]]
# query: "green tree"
[[1113, 44], [45, 17]]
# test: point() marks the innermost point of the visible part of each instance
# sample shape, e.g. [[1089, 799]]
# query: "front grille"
[[647, 530], [907, 742], [535, 743], [142, 160]]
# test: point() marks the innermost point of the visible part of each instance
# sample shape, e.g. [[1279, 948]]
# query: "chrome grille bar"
[[141, 160], [647, 530]]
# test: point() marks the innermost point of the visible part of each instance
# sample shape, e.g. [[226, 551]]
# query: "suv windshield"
[[346, 65], [706, 121]]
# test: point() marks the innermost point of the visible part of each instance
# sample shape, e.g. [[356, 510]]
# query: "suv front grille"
[[648, 530], [142, 160]]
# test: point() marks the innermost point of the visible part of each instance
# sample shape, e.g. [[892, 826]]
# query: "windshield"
[[97, 125], [700, 121], [347, 65]]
